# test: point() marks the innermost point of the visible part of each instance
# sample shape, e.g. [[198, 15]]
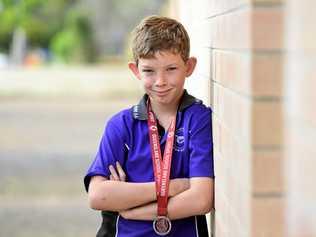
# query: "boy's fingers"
[[120, 171], [114, 173], [111, 177]]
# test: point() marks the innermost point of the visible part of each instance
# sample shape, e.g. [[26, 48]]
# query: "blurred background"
[[63, 73]]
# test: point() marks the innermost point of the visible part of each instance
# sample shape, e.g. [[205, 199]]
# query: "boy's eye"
[[171, 68], [147, 70]]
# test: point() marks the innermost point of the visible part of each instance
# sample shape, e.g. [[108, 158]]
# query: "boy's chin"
[[164, 100]]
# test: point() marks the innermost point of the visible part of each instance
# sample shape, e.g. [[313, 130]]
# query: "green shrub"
[[75, 42], [53, 24]]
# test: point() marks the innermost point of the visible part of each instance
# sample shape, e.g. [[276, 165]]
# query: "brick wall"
[[257, 69], [239, 45], [300, 118]]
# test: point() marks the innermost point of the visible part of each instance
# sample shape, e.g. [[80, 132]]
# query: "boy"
[[154, 165]]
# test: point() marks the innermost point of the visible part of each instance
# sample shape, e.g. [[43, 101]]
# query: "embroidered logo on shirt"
[[179, 140]]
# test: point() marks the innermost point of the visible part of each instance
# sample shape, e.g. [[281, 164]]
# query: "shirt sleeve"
[[111, 149], [201, 144]]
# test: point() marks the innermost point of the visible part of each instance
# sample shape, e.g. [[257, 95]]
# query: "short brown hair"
[[156, 33]]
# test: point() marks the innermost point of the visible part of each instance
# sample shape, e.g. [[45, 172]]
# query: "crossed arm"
[[187, 197]]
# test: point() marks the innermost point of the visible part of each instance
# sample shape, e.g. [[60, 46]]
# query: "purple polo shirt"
[[126, 140]]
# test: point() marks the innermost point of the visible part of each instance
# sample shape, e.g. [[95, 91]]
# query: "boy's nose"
[[161, 80]]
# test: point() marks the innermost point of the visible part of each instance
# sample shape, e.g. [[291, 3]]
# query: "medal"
[[162, 224]]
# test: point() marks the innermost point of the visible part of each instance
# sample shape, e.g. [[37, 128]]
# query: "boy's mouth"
[[162, 92]]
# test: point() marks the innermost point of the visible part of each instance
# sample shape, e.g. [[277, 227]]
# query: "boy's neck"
[[163, 111], [164, 114]]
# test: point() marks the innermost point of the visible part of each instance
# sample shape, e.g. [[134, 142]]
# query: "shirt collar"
[[140, 110]]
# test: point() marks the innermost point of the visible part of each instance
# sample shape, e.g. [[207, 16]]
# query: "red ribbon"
[[161, 166]]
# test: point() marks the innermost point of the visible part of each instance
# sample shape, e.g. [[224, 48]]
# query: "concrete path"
[[46, 144]]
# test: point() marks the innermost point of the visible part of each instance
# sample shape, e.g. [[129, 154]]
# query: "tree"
[[43, 21]]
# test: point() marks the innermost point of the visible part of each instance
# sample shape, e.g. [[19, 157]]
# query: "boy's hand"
[[177, 186], [117, 173]]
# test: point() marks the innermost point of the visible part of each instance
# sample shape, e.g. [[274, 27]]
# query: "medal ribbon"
[[161, 166]]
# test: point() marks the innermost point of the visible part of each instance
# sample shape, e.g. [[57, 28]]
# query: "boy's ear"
[[191, 63], [133, 67]]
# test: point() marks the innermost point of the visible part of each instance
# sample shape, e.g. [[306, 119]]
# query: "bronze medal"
[[162, 225]]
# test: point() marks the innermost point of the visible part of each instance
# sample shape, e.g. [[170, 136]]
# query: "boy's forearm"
[[115, 195], [145, 212], [191, 202], [180, 206]]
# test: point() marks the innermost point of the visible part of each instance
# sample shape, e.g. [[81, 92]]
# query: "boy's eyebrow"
[[172, 64], [147, 66], [169, 65]]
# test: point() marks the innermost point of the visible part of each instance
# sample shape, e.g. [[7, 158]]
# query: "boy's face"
[[163, 76]]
